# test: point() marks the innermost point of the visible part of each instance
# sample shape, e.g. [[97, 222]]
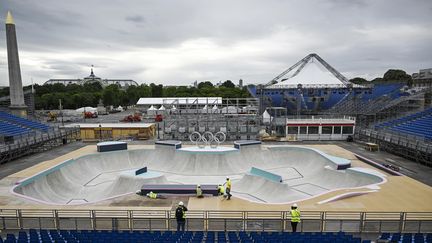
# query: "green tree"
[[156, 90], [205, 84], [396, 75], [358, 80], [110, 95], [228, 84], [92, 87], [170, 91]]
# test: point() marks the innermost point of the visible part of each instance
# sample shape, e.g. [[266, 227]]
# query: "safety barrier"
[[312, 221]]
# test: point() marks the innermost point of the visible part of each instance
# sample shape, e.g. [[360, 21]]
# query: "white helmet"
[[180, 203], [198, 185], [294, 205]]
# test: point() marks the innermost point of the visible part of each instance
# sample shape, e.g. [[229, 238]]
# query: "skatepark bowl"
[[303, 173]]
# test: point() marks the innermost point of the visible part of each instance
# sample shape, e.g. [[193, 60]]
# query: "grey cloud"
[[102, 29], [135, 19]]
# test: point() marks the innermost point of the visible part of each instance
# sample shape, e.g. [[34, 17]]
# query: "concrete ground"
[[303, 172], [409, 168], [399, 193]]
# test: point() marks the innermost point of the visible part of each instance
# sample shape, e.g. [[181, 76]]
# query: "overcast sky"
[[177, 42]]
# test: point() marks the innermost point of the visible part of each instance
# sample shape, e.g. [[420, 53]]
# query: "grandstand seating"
[[406, 237], [369, 102], [8, 129], [172, 236], [379, 90], [417, 124], [11, 125]]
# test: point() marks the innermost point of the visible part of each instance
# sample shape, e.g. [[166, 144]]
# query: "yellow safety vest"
[[221, 190], [295, 215], [199, 191], [152, 195], [228, 184]]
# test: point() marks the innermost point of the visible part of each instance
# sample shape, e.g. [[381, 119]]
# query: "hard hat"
[[294, 205], [180, 203], [198, 185], [227, 178]]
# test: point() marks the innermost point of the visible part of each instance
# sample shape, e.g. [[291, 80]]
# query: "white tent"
[[215, 109], [173, 108], [86, 109], [162, 108], [266, 117], [230, 110], [204, 109], [152, 110]]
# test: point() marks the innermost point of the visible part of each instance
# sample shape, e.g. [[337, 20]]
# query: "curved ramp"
[[91, 178]]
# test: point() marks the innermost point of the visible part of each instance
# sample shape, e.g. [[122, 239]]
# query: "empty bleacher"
[[417, 124], [172, 236], [22, 122], [368, 102], [9, 129], [405, 237]]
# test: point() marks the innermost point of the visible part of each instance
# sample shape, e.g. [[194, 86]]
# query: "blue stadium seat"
[[188, 236], [418, 124], [22, 122]]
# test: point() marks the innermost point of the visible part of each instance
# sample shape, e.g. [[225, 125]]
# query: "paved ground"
[[400, 193], [304, 173], [409, 168], [28, 161]]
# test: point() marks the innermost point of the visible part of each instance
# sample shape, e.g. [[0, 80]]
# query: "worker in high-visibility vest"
[[295, 217], [152, 195], [221, 190], [227, 185], [199, 192], [180, 215]]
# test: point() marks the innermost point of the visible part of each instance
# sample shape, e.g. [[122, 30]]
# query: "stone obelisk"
[[17, 106]]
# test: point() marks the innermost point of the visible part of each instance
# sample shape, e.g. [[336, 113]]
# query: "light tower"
[[17, 105]]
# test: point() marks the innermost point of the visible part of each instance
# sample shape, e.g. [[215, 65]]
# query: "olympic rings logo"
[[207, 139]]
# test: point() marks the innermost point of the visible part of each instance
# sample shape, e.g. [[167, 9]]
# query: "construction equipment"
[[89, 114], [52, 116], [132, 118]]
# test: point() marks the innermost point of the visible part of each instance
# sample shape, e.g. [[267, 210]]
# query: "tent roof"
[[313, 73]]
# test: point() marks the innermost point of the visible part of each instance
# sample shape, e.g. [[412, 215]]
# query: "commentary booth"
[[320, 128]]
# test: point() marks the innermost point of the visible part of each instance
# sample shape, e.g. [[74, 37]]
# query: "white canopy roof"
[[152, 108], [215, 107], [267, 118], [266, 115], [180, 101], [162, 108], [87, 108], [313, 73]]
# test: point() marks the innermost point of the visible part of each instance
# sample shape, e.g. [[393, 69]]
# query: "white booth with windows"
[[320, 128]]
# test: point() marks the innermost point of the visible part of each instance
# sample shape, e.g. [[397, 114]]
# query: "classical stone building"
[[123, 83]]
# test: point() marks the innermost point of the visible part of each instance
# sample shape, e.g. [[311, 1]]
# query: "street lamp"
[[100, 132]]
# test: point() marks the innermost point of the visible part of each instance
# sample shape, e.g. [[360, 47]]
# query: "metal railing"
[[311, 221]]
